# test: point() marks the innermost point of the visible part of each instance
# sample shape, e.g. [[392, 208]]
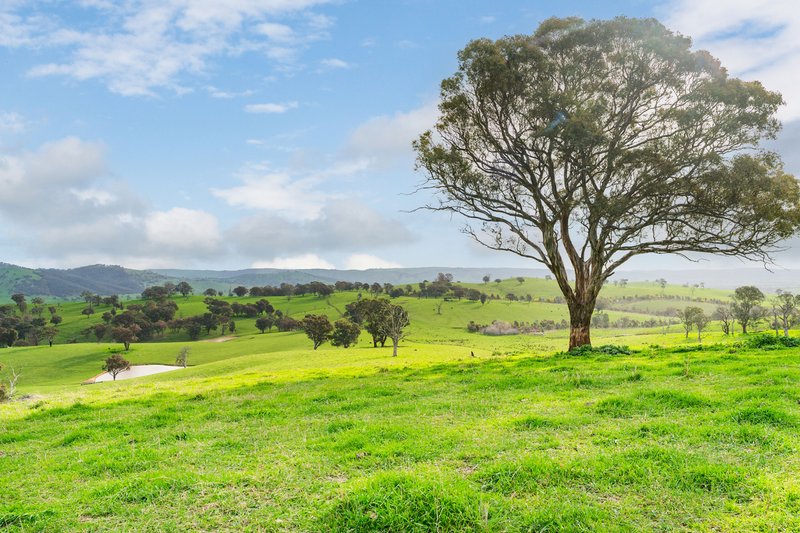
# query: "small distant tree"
[[265, 323], [394, 325], [662, 283], [19, 299], [56, 319], [318, 328], [116, 364], [483, 298], [240, 291], [686, 317], [520, 280], [786, 305], [210, 292], [87, 311], [184, 288], [700, 321], [126, 335], [724, 314], [345, 333], [746, 305], [49, 333], [183, 357], [487, 278], [8, 392]]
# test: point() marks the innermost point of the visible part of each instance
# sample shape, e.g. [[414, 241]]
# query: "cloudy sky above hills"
[[200, 133]]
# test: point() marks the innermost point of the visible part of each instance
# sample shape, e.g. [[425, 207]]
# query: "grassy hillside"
[[460, 432], [335, 440], [639, 301]]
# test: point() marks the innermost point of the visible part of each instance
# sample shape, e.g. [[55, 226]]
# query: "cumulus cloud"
[[342, 225], [60, 201], [227, 95], [334, 63], [387, 138], [277, 192], [30, 182], [366, 261], [304, 261], [754, 39], [11, 122], [144, 46], [270, 107], [183, 230]]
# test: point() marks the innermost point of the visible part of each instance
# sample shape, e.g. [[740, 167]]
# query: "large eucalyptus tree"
[[589, 143]]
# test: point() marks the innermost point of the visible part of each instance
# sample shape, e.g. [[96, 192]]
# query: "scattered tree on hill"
[[240, 291], [8, 336], [55, 319], [19, 299], [394, 324], [126, 335], [49, 333], [487, 278], [182, 358], [370, 313], [746, 305], [725, 316], [116, 364], [184, 288], [210, 292], [345, 333], [7, 392], [287, 323], [520, 280], [686, 317], [87, 311], [589, 143], [318, 328], [265, 323], [156, 292], [786, 305], [700, 321]]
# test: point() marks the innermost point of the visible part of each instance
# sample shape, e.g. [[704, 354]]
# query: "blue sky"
[[201, 133]]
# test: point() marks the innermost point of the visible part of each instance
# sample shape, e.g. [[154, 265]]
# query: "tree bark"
[[580, 319], [395, 342]]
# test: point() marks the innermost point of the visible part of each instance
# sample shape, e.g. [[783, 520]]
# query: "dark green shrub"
[[768, 341]]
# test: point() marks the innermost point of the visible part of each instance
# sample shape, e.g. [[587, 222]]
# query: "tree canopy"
[[589, 143]]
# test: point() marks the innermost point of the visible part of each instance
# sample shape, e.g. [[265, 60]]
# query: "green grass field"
[[263, 433]]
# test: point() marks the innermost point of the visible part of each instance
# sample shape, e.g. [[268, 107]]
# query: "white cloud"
[[754, 39], [297, 196], [96, 197], [12, 122], [181, 229], [143, 46], [31, 178], [387, 138], [341, 226], [366, 261], [296, 262], [254, 142], [276, 192], [334, 63], [218, 93], [276, 32], [270, 107]]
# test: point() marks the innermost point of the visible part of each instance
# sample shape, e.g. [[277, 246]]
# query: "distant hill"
[[58, 283], [395, 276], [109, 279]]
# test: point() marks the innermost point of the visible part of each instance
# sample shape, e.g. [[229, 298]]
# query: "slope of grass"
[[290, 439]]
